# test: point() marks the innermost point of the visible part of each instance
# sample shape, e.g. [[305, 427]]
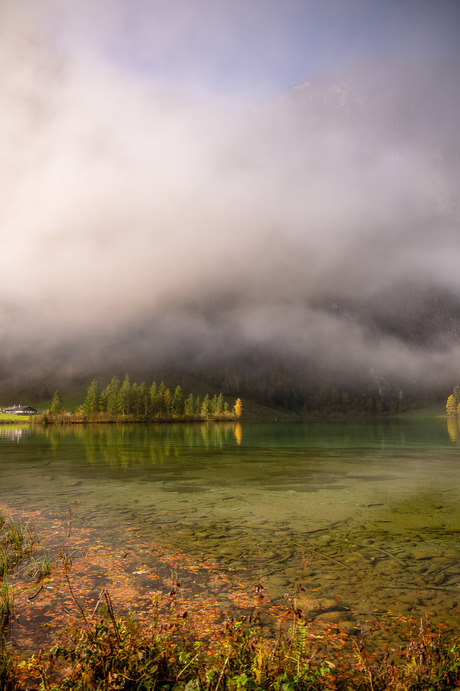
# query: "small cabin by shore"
[[19, 410]]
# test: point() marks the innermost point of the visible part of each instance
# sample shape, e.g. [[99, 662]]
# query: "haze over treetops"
[[246, 193]]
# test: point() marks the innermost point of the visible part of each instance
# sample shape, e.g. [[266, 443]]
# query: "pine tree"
[[189, 406], [206, 408], [91, 402], [167, 402], [57, 404], [125, 396], [178, 401], [161, 398], [103, 399], [112, 396], [219, 406], [135, 402], [144, 400], [153, 393]]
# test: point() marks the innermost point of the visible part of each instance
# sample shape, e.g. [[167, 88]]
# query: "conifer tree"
[[167, 402], [103, 399], [111, 394], [144, 400], [153, 393], [189, 406], [135, 402], [161, 398], [219, 405], [206, 407], [456, 393], [57, 404], [125, 396], [178, 401], [91, 402]]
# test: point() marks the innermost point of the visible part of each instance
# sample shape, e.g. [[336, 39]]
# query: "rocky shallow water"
[[349, 522]]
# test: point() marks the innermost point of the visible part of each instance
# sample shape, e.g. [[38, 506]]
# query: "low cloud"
[[143, 227]]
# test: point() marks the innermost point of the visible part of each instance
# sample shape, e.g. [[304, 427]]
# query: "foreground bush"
[[121, 654]]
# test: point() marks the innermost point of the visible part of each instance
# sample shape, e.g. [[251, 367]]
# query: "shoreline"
[[87, 573]]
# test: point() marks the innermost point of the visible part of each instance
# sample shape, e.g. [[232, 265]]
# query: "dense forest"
[[129, 400], [301, 388]]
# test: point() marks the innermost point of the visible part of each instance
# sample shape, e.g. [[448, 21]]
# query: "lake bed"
[[363, 515]]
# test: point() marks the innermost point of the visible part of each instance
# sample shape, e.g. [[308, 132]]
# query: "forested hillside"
[[301, 254]]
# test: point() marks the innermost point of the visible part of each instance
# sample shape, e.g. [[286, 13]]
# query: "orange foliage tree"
[[238, 408]]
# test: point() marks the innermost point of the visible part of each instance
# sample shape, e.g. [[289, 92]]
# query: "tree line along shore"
[[132, 401]]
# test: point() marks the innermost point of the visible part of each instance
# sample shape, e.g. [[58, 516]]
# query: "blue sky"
[[247, 49]]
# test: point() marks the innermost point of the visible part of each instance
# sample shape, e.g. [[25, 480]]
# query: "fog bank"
[[144, 227]]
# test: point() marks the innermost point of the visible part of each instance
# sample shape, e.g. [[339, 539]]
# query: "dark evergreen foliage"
[[141, 402]]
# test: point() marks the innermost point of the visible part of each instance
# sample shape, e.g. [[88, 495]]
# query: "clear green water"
[[375, 503]]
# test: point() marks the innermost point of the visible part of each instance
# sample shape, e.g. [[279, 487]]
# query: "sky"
[[244, 51], [167, 194]]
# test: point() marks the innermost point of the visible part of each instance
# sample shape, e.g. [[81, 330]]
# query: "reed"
[[16, 540], [3, 562], [6, 602], [15, 535], [39, 568]]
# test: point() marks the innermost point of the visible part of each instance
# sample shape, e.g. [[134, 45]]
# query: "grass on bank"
[[18, 419], [16, 541], [116, 653]]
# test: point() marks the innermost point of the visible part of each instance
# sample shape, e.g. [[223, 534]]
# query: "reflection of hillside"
[[124, 446]]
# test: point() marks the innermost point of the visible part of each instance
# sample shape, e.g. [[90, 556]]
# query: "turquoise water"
[[373, 506]]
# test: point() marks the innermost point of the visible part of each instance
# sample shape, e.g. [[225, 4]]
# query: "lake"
[[365, 513]]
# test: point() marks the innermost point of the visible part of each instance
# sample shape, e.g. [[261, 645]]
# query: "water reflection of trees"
[[125, 446], [453, 427]]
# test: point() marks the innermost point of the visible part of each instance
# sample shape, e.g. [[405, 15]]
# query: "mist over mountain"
[[316, 235]]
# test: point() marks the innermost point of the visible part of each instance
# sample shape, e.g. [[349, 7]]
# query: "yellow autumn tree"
[[451, 405], [238, 408]]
